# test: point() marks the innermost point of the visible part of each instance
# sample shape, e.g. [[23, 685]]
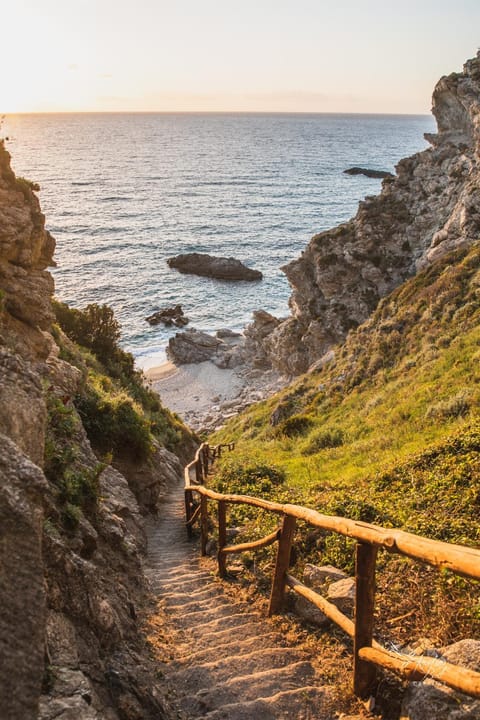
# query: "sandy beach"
[[195, 391], [205, 396]]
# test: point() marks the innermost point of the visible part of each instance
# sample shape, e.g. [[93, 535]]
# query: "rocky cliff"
[[71, 534], [431, 206]]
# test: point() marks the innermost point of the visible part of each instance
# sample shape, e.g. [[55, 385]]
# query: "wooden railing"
[[370, 538]]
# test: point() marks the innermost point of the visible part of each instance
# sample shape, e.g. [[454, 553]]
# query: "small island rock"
[[368, 173], [220, 268], [169, 316]]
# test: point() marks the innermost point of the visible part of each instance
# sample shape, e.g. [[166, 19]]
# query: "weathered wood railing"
[[370, 538]]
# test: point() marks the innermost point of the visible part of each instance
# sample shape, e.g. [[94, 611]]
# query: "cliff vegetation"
[[385, 429]]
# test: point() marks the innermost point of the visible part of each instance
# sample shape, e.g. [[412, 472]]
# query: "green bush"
[[327, 438], [114, 425], [249, 479], [26, 186], [295, 425], [95, 328], [76, 486], [110, 425]]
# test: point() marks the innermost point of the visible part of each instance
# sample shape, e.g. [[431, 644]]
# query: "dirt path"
[[229, 660]]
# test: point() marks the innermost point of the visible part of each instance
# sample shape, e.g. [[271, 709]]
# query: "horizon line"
[[5, 114]]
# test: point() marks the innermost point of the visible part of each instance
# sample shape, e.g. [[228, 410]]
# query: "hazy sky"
[[264, 55]]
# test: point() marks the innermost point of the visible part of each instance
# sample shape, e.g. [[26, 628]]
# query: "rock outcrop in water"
[[169, 316], [71, 577], [220, 268], [429, 208], [377, 174]]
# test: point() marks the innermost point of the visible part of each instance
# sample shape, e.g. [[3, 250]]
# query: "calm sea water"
[[123, 192]]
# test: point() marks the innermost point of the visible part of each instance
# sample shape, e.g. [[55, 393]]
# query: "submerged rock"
[[220, 268], [368, 173]]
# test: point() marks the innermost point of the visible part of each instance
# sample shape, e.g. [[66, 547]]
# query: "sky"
[[374, 56]]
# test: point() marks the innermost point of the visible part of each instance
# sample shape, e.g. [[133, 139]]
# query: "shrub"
[[295, 425], [249, 479], [95, 328], [76, 486], [113, 424], [326, 438], [26, 187], [456, 406]]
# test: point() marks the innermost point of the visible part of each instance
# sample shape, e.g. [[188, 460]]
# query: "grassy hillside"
[[386, 431]]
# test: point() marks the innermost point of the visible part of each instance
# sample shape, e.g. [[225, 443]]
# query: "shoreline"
[[206, 396], [161, 372]]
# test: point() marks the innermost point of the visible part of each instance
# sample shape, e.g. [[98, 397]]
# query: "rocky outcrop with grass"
[[85, 450], [429, 208]]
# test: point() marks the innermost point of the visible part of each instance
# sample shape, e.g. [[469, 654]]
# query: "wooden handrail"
[[254, 545], [459, 559]]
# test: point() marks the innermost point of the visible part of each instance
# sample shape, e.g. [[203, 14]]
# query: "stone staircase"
[[230, 660]]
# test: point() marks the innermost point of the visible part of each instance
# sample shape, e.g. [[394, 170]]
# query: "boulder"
[[192, 346], [169, 316], [430, 699], [342, 594], [317, 577], [220, 268], [368, 173], [309, 612]]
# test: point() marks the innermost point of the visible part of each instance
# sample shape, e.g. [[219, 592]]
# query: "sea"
[[124, 192]]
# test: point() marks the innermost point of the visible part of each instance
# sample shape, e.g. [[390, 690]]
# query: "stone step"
[[243, 629], [193, 679], [304, 703], [197, 619], [235, 648], [248, 687]]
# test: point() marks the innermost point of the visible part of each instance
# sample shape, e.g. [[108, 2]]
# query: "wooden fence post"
[[363, 672], [188, 511], [203, 524], [222, 537], [277, 594]]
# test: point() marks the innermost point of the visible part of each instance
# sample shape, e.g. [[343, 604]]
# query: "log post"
[[188, 511], [198, 472], [277, 594], [203, 524], [222, 537], [363, 672]]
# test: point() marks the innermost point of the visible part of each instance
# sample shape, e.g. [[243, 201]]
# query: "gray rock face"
[[220, 268], [431, 207], [430, 699], [68, 589], [192, 346], [22, 590]]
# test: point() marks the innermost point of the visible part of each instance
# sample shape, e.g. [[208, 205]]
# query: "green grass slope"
[[386, 431]]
